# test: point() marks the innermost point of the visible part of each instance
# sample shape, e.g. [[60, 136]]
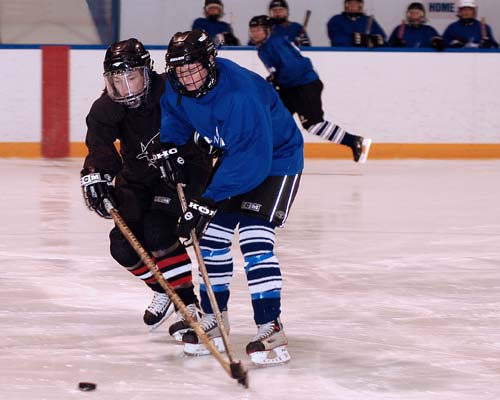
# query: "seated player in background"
[[414, 32], [219, 31], [293, 31], [129, 111], [468, 31], [354, 28], [299, 86]]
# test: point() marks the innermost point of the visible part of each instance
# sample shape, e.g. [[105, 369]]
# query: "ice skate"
[[158, 311], [181, 326], [360, 149], [268, 347], [192, 344]]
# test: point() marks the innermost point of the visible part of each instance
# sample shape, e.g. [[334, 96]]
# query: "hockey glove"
[[487, 44], [398, 42], [97, 186], [197, 216], [438, 43], [457, 44], [375, 40], [171, 165]]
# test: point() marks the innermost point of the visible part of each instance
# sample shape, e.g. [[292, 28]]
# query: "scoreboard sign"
[[442, 9]]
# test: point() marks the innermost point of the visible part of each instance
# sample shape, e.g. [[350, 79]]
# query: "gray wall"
[[154, 21]]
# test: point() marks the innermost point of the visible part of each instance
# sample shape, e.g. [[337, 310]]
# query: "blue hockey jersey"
[[244, 116], [413, 36], [211, 27], [294, 32], [341, 29], [284, 60], [469, 34]]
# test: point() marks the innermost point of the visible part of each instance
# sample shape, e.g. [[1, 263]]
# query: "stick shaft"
[[206, 279]]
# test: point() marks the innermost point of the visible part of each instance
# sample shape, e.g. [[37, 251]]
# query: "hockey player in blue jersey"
[[299, 86], [414, 32], [239, 118], [468, 31], [219, 31], [354, 28], [293, 31]]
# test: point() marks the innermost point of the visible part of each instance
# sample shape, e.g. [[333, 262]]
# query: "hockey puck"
[[86, 386]]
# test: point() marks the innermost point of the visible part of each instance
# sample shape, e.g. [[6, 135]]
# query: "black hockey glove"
[[487, 44], [438, 43], [97, 186], [197, 216], [375, 40], [457, 44], [398, 42], [171, 165]]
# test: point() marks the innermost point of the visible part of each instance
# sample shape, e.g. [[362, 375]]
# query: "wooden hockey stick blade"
[[128, 234]]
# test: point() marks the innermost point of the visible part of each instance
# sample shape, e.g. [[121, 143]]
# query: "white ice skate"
[[180, 327], [268, 347], [192, 345], [158, 311]]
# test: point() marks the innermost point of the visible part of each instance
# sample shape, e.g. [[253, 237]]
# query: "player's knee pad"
[[159, 230], [121, 250]]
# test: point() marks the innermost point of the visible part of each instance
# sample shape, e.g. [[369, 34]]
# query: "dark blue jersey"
[[414, 36], [211, 27], [294, 32], [244, 116], [468, 33], [283, 59], [341, 29]]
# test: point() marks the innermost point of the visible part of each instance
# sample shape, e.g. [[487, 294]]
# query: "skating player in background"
[[414, 32], [240, 118], [299, 86], [354, 28], [129, 111], [293, 31], [468, 31]]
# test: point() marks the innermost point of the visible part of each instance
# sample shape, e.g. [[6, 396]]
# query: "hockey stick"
[[368, 30], [234, 372], [236, 367], [484, 31], [306, 18], [401, 30]]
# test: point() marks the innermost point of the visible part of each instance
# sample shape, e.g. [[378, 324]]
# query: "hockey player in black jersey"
[[128, 111]]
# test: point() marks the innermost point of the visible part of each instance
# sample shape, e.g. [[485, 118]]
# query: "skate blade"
[[276, 356], [170, 311], [366, 149], [200, 349]]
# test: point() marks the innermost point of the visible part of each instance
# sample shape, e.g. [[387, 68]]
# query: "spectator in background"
[[354, 28], [293, 31], [468, 31], [219, 31], [414, 32]]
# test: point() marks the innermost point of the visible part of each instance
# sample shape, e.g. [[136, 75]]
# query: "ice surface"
[[391, 292]]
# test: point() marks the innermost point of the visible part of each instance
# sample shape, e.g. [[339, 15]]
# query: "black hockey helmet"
[[261, 20], [278, 3], [189, 48], [126, 54], [127, 67]]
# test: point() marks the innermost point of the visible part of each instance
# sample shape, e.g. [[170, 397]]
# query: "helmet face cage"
[[128, 86], [415, 15], [260, 21], [190, 63], [127, 67]]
